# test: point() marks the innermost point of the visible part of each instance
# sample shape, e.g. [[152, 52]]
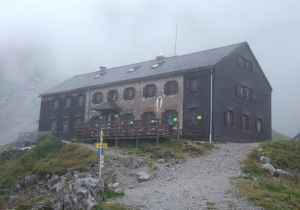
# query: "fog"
[[66, 38]]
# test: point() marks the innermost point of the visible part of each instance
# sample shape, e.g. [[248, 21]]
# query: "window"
[[54, 125], [245, 92], [171, 88], [149, 91], [68, 102], [97, 98], [129, 93], [112, 95], [80, 100], [65, 124], [260, 125], [78, 120], [170, 115], [148, 116], [245, 122], [128, 117], [245, 63], [229, 118], [192, 116], [193, 84], [56, 103]]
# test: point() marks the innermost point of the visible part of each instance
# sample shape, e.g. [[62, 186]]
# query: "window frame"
[[112, 95], [230, 118], [167, 85], [146, 91], [260, 121], [146, 114], [245, 63], [65, 124], [79, 100], [126, 93], [97, 98], [56, 103], [68, 101], [245, 122], [54, 129], [189, 84], [188, 118], [245, 92]]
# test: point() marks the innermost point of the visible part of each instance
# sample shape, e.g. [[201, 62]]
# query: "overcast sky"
[[74, 37]]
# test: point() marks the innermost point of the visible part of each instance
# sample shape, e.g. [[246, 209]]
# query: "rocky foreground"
[[199, 183]]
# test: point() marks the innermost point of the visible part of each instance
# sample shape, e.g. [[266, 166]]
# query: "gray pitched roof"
[[207, 58]]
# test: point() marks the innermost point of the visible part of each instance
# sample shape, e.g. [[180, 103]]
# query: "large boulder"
[[142, 176], [132, 163], [30, 180], [268, 167], [280, 172]]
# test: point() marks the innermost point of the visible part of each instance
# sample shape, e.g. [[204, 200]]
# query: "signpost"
[[101, 147]]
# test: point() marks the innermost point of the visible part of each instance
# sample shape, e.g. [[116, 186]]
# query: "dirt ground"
[[199, 183]]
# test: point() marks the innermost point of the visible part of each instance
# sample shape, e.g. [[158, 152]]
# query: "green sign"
[[131, 122], [175, 119], [152, 120], [170, 122], [199, 117]]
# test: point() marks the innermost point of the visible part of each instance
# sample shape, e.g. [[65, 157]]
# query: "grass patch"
[[177, 149], [49, 155], [112, 194], [113, 207], [268, 191]]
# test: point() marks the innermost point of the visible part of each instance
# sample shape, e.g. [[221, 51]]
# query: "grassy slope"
[[50, 155], [272, 192], [278, 136]]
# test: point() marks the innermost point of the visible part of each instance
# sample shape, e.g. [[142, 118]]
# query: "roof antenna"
[[175, 40]]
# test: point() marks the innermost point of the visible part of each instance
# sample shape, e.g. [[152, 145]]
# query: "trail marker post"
[[100, 151]]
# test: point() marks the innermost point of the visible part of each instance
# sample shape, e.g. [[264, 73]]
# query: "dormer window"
[[134, 68], [157, 64]]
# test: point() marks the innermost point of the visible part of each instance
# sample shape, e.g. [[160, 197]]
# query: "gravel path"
[[200, 183]]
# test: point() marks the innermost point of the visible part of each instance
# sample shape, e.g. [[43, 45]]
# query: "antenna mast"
[[175, 40]]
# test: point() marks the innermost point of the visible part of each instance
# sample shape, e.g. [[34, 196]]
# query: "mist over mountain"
[[23, 76]]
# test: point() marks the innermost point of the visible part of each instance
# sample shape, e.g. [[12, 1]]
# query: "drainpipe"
[[211, 106], [88, 104]]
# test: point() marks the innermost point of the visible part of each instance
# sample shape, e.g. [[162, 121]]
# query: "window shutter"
[[233, 119], [242, 121], [132, 117], [94, 98], [153, 115], [133, 92], [176, 87], [144, 91], [124, 94], [238, 90], [71, 101], [262, 126], [76, 98], [225, 117], [253, 96], [256, 125], [199, 113], [116, 95], [108, 96], [240, 61], [154, 90], [164, 116], [101, 97], [249, 122], [188, 85], [142, 116], [166, 88], [186, 116], [199, 83]]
